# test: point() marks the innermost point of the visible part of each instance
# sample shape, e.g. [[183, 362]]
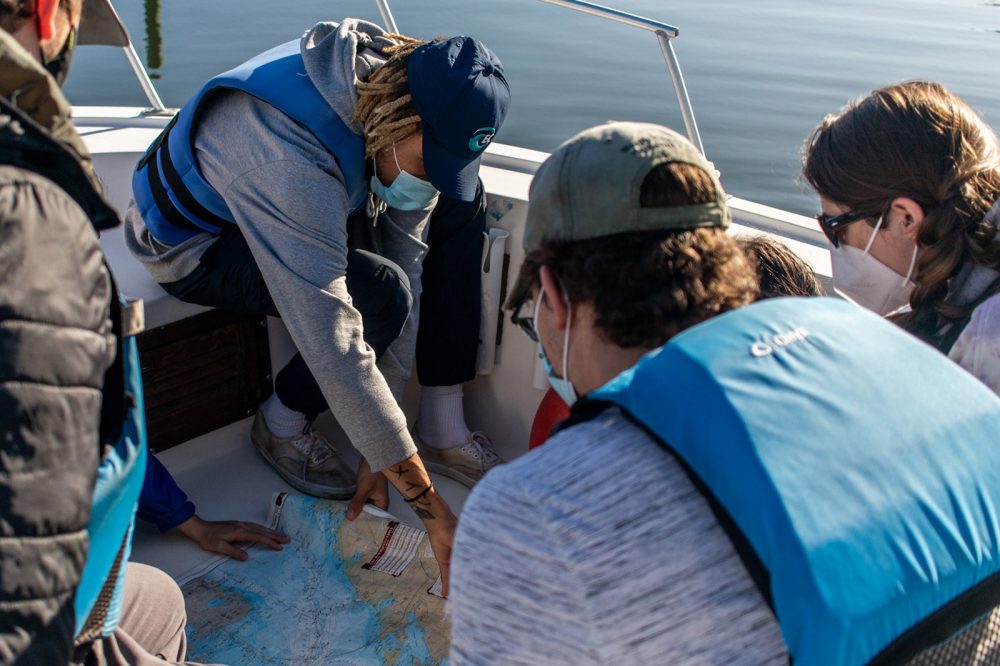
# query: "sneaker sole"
[[313, 489]]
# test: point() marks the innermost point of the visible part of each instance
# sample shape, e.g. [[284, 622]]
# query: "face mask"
[[867, 281], [407, 192], [560, 385], [58, 67]]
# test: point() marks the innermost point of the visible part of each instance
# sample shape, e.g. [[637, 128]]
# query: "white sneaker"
[[306, 461], [466, 463]]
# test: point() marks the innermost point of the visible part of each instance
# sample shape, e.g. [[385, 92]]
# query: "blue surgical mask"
[[560, 385], [407, 192]]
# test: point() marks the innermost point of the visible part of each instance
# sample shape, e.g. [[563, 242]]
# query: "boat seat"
[[111, 163], [134, 282]]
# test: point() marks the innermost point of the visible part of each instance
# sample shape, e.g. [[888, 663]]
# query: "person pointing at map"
[[245, 202]]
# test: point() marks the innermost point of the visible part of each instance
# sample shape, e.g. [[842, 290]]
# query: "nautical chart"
[[340, 593]]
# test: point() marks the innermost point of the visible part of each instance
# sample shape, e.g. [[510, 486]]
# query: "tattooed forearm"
[[421, 496], [422, 513], [412, 481]]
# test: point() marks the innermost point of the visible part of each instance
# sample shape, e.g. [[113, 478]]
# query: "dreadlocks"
[[385, 107]]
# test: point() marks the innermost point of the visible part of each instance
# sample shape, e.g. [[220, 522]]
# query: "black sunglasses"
[[832, 224]]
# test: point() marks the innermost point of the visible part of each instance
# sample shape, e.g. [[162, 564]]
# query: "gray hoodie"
[[287, 195]]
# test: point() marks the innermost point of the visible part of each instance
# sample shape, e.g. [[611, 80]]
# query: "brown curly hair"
[[919, 141], [648, 286]]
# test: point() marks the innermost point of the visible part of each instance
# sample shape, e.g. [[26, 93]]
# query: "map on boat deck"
[[342, 592]]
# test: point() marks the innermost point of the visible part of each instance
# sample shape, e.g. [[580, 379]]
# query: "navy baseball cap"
[[462, 97]]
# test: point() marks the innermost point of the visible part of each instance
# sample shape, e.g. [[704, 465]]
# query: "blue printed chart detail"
[[342, 592]]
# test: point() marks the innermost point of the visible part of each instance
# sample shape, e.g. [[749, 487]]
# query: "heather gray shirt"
[[287, 194], [597, 549]]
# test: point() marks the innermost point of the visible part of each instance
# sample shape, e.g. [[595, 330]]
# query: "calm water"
[[761, 73]]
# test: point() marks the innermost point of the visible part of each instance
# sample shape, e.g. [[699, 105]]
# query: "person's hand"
[[441, 533], [373, 488], [221, 536]]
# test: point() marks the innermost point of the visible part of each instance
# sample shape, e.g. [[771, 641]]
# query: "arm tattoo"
[[400, 471], [423, 514], [421, 496]]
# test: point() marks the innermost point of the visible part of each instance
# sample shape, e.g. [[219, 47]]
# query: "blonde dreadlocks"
[[385, 107]]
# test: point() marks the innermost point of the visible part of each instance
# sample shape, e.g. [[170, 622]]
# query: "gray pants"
[[151, 629]]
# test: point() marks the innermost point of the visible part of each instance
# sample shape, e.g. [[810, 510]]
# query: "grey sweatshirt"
[[287, 194], [597, 549]]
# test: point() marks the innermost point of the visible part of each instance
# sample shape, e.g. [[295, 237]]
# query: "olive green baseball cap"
[[589, 187]]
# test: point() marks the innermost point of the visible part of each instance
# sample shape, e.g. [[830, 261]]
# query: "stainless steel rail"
[[108, 28], [617, 15], [155, 103], [387, 20], [664, 33]]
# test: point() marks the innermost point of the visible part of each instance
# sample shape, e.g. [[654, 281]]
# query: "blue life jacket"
[[856, 470], [176, 202], [116, 494]]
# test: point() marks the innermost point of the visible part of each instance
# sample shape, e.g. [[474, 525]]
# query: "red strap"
[[46, 11]]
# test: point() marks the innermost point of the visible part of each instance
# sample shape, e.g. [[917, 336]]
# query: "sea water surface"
[[761, 73]]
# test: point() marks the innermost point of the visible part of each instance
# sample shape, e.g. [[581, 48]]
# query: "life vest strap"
[[160, 155], [943, 624], [586, 409]]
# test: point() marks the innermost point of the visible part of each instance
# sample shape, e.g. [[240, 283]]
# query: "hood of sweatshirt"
[[338, 55]]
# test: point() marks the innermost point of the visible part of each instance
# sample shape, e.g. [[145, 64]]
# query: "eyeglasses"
[[832, 224], [526, 324]]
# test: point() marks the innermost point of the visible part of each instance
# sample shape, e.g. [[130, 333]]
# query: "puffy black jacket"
[[56, 350]]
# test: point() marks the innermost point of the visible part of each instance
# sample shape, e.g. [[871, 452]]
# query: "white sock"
[[281, 420], [442, 417]]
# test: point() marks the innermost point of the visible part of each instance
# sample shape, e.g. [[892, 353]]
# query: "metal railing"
[[664, 34], [155, 103], [387, 20], [115, 34]]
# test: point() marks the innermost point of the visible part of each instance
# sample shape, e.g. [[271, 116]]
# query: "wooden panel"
[[202, 373]]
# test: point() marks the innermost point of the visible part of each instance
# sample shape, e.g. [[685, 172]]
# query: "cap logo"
[[482, 138]]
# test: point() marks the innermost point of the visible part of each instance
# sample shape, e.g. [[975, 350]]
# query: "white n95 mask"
[[867, 281]]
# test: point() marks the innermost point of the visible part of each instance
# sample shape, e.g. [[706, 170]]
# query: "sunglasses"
[[832, 224]]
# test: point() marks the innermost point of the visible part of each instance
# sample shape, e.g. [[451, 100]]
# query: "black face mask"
[[58, 66]]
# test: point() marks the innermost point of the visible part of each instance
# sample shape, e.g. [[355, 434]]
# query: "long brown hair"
[[915, 140]]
